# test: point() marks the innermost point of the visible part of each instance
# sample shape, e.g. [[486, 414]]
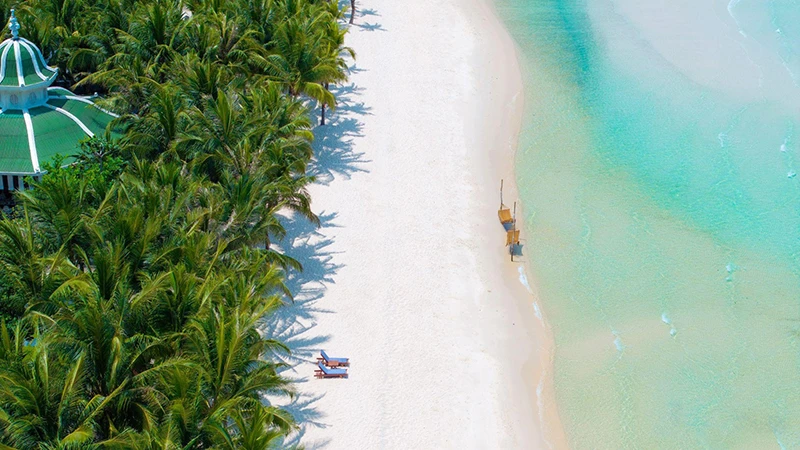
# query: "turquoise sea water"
[[657, 166]]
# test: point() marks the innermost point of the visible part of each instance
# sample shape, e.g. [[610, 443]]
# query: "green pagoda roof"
[[22, 64], [37, 121]]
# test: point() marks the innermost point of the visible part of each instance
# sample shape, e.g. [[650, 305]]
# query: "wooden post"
[[513, 230], [501, 193]]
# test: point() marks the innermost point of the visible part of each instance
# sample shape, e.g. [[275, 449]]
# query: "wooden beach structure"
[[504, 213], [512, 235], [509, 221]]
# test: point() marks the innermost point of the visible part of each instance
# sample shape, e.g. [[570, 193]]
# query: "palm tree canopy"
[[134, 280]]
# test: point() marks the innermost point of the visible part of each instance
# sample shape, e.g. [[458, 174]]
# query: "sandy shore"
[[407, 275]]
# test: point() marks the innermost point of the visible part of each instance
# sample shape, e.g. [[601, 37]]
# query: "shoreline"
[[503, 166], [407, 275]]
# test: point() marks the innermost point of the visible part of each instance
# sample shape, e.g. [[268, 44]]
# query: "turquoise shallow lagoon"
[[658, 168]]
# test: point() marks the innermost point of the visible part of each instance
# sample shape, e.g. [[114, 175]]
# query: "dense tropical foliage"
[[133, 282]]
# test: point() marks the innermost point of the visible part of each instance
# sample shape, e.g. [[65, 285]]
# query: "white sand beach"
[[407, 276]]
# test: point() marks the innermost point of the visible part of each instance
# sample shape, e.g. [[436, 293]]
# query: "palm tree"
[[335, 36], [57, 206], [305, 62], [135, 280], [43, 403], [34, 274], [156, 128]]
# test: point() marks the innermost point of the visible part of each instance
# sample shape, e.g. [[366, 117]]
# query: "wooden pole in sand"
[[513, 231], [501, 193]]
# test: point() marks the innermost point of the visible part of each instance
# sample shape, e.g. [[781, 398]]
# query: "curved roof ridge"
[[31, 141], [39, 51], [89, 102], [3, 60], [18, 57], [33, 60], [71, 116], [80, 99]]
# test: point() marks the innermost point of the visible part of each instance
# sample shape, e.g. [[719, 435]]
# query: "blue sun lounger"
[[324, 372], [333, 362]]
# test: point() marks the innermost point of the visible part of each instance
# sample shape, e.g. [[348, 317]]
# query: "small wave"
[[672, 330], [617, 341], [778, 438], [730, 268], [537, 311], [732, 4], [722, 136], [524, 279]]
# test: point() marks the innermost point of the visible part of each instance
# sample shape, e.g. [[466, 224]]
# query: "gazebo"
[[38, 121]]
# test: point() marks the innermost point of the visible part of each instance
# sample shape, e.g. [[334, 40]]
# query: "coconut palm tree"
[[134, 281], [42, 398], [305, 62]]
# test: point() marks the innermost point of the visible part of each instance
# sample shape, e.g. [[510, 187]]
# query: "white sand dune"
[[407, 275]]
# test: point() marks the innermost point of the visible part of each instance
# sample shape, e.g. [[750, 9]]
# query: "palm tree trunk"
[[322, 119], [352, 10]]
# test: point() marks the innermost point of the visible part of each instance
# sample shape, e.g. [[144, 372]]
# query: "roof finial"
[[13, 25]]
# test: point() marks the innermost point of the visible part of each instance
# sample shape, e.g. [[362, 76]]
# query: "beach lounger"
[[333, 362], [324, 372]]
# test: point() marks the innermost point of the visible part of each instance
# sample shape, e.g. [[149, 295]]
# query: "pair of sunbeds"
[[331, 367]]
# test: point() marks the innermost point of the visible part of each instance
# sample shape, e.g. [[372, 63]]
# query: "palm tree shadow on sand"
[[372, 26], [361, 14], [334, 158], [305, 412], [293, 324], [334, 154]]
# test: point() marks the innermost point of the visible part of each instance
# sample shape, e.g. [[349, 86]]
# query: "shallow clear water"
[[657, 166]]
